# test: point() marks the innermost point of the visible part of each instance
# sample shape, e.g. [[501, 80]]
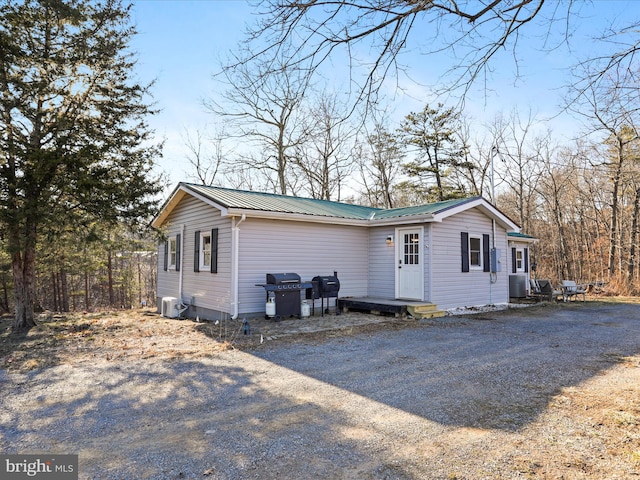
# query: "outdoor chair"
[[542, 290], [571, 289]]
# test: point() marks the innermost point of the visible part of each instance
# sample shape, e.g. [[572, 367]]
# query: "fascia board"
[[168, 207], [408, 220], [486, 207], [295, 217], [176, 197], [522, 240]]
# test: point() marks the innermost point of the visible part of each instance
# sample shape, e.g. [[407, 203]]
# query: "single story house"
[[221, 242]]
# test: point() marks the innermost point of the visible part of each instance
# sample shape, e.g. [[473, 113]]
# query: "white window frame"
[[519, 259], [475, 266], [172, 254], [205, 251]]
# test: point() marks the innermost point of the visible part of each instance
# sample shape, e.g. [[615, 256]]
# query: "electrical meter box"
[[496, 265]]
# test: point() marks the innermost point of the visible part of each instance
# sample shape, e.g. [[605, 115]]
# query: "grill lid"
[[282, 278], [328, 283]]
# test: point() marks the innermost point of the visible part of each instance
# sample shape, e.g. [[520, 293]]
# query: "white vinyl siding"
[[453, 288], [308, 249], [203, 289], [366, 264], [381, 259], [519, 264]]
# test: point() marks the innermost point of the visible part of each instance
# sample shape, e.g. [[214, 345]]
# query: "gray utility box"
[[517, 286]]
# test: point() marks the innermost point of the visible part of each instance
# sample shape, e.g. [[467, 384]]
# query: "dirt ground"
[[589, 430], [142, 334]]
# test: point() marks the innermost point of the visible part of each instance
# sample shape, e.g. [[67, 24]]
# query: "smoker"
[[327, 287], [284, 290]]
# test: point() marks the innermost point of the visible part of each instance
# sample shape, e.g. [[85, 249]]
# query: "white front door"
[[410, 274]]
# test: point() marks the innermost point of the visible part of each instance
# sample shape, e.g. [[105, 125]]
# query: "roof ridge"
[[278, 195]]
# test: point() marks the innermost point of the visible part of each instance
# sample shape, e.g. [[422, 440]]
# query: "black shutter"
[[486, 262], [214, 250], [166, 255], [178, 242], [514, 261], [196, 252], [464, 250], [526, 259]]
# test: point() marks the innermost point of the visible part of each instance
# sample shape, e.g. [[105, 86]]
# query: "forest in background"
[[77, 155], [582, 201]]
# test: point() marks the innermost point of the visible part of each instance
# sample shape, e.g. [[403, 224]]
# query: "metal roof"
[[523, 236], [269, 205], [428, 209], [268, 202]]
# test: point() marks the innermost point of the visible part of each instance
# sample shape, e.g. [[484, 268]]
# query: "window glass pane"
[[172, 252], [411, 249], [475, 251], [206, 250]]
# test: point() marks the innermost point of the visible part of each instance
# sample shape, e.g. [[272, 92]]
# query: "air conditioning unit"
[[170, 307]]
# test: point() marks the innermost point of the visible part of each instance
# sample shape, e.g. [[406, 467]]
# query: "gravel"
[[541, 392]]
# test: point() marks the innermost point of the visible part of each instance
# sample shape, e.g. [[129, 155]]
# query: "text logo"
[[39, 467]]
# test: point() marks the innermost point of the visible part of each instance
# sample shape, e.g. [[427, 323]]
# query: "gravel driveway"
[[529, 393]]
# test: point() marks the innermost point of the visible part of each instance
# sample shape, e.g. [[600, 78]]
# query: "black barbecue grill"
[[285, 289], [327, 287]]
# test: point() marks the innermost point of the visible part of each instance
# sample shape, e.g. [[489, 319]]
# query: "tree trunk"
[[64, 291], [634, 239], [54, 290], [86, 291], [613, 238], [23, 265], [110, 278], [5, 293]]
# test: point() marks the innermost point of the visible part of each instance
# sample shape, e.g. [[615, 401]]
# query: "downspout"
[[181, 264], [236, 261], [181, 306]]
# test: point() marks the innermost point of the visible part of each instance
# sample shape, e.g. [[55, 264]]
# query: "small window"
[[520, 260], [411, 249], [475, 252], [205, 251], [173, 253]]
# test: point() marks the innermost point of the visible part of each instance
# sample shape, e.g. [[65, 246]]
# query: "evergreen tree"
[[431, 136], [73, 135]]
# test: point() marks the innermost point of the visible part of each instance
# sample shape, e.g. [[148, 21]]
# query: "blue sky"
[[180, 41]]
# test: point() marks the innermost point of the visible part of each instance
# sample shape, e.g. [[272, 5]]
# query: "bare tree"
[[556, 191], [207, 155], [379, 162], [325, 158], [261, 105], [476, 160], [326, 28], [610, 108], [521, 152]]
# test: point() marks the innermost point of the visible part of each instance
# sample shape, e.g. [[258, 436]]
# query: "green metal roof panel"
[[520, 235], [428, 209], [268, 202]]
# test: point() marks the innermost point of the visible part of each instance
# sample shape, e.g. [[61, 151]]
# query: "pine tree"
[[431, 136], [73, 135]]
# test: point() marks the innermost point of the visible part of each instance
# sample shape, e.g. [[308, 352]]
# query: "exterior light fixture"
[[390, 240]]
